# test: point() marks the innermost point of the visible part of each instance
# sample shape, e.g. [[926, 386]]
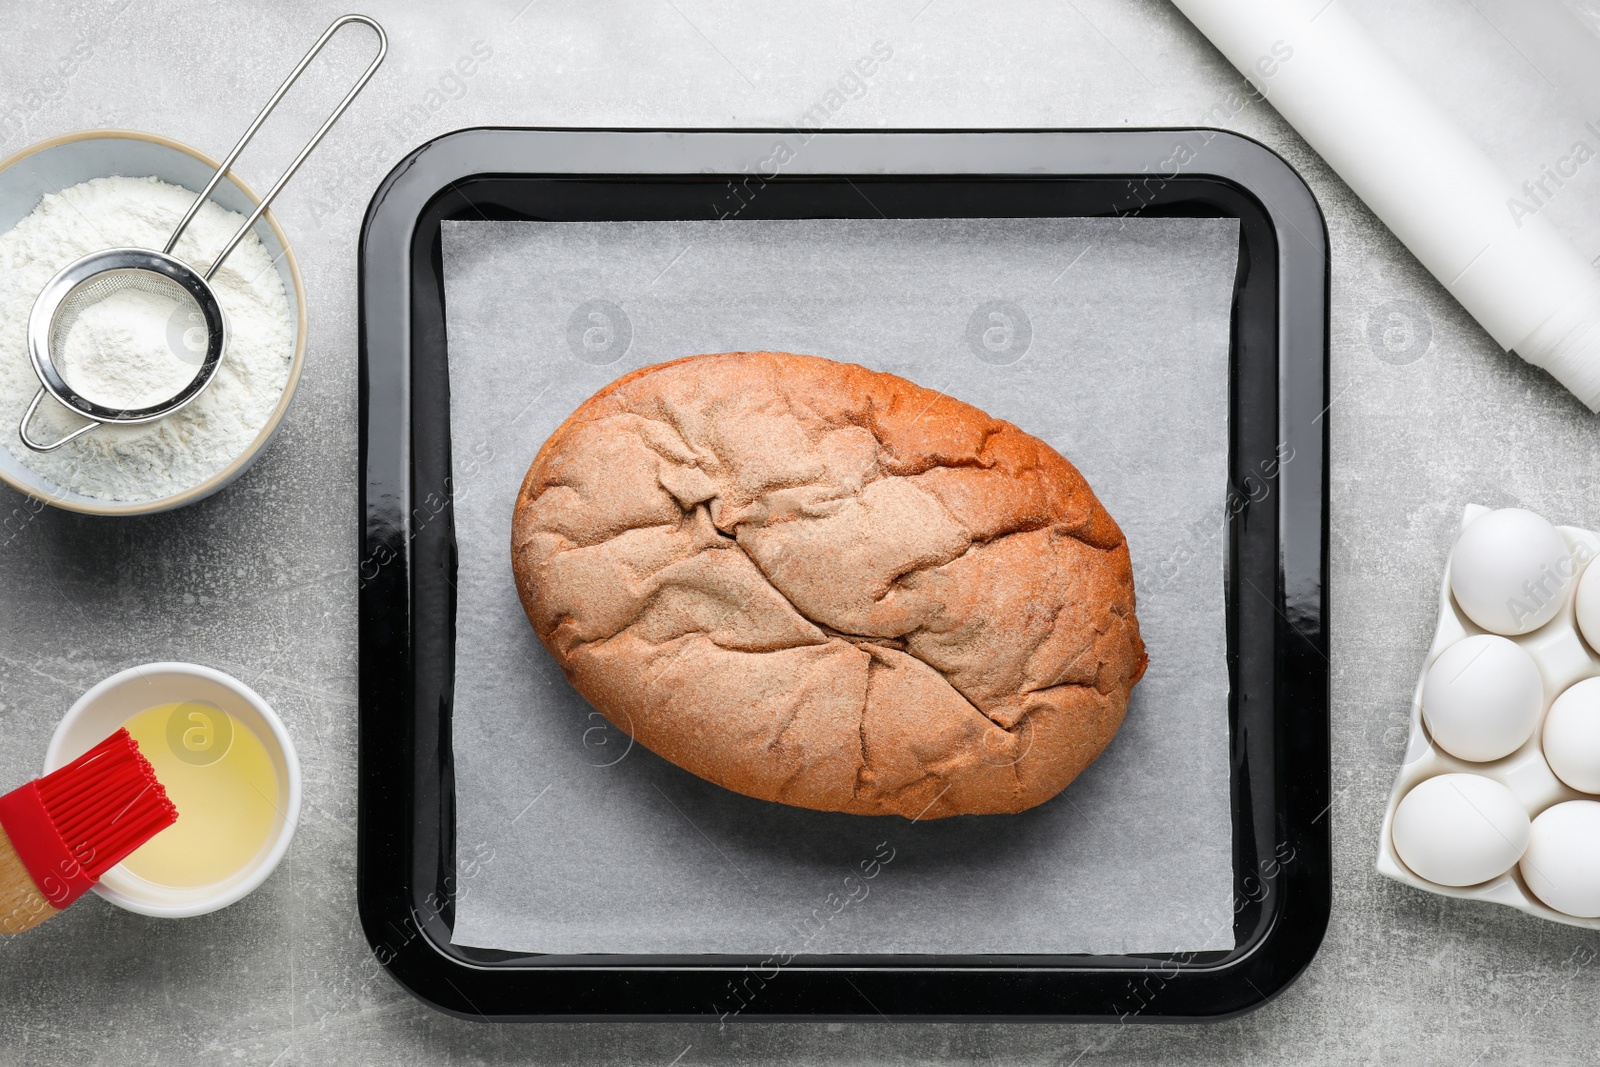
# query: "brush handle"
[[22, 906]]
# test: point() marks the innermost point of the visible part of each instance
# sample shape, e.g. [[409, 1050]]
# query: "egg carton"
[[1563, 659]]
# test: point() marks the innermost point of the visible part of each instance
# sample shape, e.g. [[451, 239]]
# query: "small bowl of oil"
[[228, 766]]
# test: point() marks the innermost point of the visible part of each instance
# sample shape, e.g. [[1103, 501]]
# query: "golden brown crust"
[[817, 584]]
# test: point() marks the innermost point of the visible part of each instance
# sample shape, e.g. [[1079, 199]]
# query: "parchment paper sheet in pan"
[[1108, 338]]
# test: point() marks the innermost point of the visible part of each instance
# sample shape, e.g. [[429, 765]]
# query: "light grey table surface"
[[261, 580]]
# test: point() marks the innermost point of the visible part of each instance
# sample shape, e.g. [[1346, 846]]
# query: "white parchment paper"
[[1108, 338]]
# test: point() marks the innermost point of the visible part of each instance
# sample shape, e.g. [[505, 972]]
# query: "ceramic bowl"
[[99, 712], [62, 162]]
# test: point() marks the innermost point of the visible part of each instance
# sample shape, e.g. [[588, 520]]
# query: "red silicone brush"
[[60, 833]]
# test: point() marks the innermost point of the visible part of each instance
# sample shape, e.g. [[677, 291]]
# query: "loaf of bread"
[[824, 586]]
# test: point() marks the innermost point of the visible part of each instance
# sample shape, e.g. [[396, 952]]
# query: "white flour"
[[184, 449], [117, 351]]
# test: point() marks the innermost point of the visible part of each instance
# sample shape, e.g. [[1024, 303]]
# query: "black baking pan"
[[1276, 580]]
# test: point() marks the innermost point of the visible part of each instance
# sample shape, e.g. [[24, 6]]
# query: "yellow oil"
[[218, 774]]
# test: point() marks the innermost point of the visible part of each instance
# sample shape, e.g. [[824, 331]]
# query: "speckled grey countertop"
[[260, 581]]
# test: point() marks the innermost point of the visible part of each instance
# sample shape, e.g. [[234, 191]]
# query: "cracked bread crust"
[[817, 584]]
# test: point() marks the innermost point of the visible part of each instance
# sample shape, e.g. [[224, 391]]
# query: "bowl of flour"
[[64, 198]]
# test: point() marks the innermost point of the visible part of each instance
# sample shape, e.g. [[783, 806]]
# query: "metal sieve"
[[86, 282]]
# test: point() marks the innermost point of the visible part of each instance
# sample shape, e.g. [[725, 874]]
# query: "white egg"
[[1460, 829], [1587, 603], [1510, 570], [1572, 736], [1482, 697], [1562, 862]]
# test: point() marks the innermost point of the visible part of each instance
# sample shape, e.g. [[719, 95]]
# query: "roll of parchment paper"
[[1484, 239]]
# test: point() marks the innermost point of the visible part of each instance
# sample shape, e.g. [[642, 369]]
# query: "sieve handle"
[[27, 416], [294, 75]]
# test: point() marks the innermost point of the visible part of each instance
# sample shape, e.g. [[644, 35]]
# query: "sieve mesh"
[[100, 287]]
